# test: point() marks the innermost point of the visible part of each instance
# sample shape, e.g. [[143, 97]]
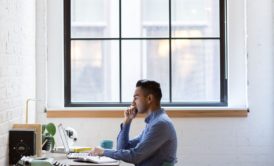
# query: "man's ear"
[[150, 98]]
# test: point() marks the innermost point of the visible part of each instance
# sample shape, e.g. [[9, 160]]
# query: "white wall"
[[212, 141], [17, 66]]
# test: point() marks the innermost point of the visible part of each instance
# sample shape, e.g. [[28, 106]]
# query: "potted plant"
[[48, 132]]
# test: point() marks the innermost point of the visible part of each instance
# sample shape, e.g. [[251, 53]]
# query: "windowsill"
[[109, 112]]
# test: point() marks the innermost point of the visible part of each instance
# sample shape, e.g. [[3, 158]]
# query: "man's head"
[[147, 95]]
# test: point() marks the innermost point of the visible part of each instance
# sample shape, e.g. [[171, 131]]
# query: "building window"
[[110, 44]]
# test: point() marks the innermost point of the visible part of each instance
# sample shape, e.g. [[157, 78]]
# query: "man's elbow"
[[136, 159], [122, 146]]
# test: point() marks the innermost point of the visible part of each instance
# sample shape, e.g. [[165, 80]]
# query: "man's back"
[[166, 135]]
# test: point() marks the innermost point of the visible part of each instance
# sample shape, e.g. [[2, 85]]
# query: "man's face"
[[140, 100]]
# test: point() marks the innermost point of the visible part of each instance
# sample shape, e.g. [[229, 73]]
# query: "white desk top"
[[63, 159]]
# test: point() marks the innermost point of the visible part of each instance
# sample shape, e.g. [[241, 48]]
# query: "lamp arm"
[[27, 107]]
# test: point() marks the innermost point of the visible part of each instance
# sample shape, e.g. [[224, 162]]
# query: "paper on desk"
[[97, 159]]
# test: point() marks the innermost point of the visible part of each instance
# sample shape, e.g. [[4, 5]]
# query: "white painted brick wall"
[[17, 65]]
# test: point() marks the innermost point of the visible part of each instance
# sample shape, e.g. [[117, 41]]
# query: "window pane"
[[195, 18], [88, 17], [137, 15], [155, 31], [95, 71], [195, 71], [149, 60]]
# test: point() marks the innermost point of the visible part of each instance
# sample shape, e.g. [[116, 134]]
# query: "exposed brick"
[[17, 65], [3, 93], [4, 140], [4, 161], [4, 128], [3, 117]]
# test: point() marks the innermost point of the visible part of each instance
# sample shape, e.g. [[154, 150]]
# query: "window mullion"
[[170, 54], [120, 50]]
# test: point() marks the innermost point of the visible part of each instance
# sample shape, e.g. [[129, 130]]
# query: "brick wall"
[[17, 65]]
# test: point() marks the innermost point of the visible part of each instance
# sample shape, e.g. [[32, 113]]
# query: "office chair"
[[167, 164]]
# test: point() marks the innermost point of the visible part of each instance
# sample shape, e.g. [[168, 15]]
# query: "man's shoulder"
[[165, 127], [163, 121], [164, 118]]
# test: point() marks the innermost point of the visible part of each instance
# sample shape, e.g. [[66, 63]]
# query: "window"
[[110, 44]]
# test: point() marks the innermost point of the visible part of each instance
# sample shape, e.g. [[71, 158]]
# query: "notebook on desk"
[[84, 156], [96, 159]]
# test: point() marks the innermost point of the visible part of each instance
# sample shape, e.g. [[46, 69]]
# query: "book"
[[80, 149], [74, 149]]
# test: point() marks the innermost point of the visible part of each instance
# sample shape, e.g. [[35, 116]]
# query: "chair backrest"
[[167, 164]]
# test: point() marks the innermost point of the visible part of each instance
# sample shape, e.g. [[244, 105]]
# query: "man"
[[157, 144]]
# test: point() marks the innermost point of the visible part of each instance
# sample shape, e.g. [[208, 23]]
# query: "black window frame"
[[223, 61]]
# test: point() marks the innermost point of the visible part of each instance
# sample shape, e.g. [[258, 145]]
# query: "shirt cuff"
[[109, 153]]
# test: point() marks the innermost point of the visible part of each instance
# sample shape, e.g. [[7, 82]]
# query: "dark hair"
[[150, 87]]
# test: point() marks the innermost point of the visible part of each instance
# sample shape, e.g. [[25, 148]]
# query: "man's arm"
[[123, 141], [123, 137], [153, 140]]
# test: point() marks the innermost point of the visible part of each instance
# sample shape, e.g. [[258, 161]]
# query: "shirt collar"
[[154, 115]]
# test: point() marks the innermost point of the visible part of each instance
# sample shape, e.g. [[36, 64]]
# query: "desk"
[[63, 159]]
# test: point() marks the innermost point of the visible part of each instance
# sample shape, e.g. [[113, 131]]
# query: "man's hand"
[[129, 114], [97, 152]]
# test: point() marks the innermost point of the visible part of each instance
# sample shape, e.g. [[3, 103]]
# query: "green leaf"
[[43, 138], [49, 143], [51, 128], [43, 128], [53, 143]]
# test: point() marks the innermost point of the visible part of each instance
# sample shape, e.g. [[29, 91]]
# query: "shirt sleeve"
[[123, 141], [153, 139]]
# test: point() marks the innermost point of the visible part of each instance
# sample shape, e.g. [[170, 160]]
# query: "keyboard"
[[77, 155]]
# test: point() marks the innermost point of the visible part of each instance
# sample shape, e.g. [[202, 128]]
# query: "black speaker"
[[21, 143]]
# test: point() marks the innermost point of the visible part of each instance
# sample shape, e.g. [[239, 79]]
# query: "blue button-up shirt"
[[155, 145]]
